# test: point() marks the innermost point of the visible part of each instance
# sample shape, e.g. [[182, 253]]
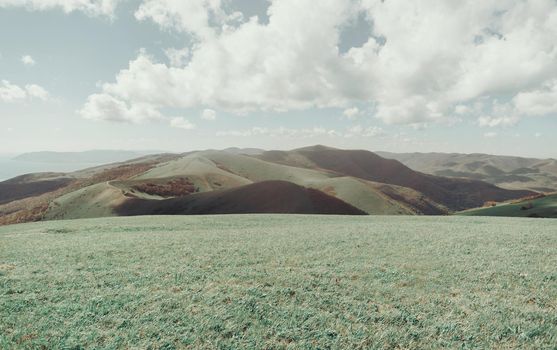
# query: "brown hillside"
[[261, 197], [20, 188]]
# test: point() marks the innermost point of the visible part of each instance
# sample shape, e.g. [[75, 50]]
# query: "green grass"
[[276, 282], [542, 207]]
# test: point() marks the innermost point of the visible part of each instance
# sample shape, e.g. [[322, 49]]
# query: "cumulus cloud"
[[177, 57], [209, 114], [28, 60], [108, 108], [90, 7], [181, 123], [424, 62], [538, 102], [12, 93]]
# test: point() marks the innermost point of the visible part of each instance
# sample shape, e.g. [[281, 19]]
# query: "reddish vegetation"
[[261, 197], [122, 172], [174, 188], [33, 208], [529, 198]]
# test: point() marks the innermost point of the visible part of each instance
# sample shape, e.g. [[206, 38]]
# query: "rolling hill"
[[455, 194], [261, 197], [207, 182], [504, 171], [537, 207]]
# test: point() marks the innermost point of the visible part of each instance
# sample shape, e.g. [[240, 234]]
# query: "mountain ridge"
[[358, 178]]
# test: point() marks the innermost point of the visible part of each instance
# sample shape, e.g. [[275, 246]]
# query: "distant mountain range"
[[504, 171], [317, 180]]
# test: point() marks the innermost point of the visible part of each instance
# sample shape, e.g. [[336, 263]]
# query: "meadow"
[[279, 282]]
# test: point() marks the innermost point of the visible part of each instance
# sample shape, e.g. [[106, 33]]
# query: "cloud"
[[280, 132], [90, 7], [424, 62], [181, 123], [351, 113], [490, 135], [209, 114], [360, 131], [108, 108], [538, 102], [356, 131], [177, 57], [13, 93], [489, 121], [28, 60]]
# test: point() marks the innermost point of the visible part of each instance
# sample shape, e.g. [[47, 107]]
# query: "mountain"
[[455, 194], [504, 171], [93, 157], [308, 180]]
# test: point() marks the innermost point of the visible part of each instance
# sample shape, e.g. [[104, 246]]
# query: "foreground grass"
[[279, 282]]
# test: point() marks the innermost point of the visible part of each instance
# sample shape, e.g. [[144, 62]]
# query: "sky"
[[179, 75]]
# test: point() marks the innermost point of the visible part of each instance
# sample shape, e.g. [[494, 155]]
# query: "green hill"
[[545, 207]]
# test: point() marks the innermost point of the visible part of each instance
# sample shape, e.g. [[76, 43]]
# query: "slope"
[[261, 197], [543, 207]]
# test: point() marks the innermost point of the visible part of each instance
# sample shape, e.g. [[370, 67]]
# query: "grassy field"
[[280, 282], [545, 207]]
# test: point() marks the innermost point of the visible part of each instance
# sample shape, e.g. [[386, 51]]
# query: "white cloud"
[[426, 60], [209, 114], [491, 122], [351, 113], [90, 7], [280, 132], [177, 57], [109, 108], [36, 91], [490, 135], [538, 102], [360, 131], [181, 123], [191, 16], [28, 60], [355, 131], [13, 93]]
